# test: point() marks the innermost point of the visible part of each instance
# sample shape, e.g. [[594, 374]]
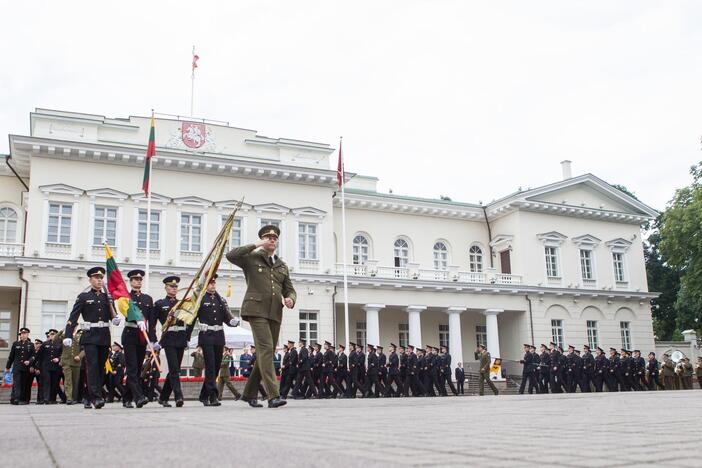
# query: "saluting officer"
[[268, 289], [213, 313], [174, 342], [20, 360], [134, 342], [94, 307]]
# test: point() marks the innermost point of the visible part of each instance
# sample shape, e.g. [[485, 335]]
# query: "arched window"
[[401, 253], [475, 259], [440, 256], [8, 225], [361, 250]]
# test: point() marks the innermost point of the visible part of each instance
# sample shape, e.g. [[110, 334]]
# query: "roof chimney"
[[565, 166]]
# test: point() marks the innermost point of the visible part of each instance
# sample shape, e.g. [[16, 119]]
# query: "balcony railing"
[[373, 270], [308, 265], [11, 249]]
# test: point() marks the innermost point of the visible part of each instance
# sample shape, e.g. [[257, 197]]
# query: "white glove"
[[234, 322], [116, 321], [67, 342], [156, 347], [141, 325]]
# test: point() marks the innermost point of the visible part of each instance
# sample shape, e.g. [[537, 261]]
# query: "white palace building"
[[563, 262]]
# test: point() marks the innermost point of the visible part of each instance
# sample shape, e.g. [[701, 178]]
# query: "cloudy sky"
[[459, 98]]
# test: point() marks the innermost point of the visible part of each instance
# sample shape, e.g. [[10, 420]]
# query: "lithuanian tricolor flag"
[[118, 290], [150, 152]]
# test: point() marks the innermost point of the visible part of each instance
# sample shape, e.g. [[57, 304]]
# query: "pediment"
[[61, 189], [586, 240], [192, 201], [107, 193], [309, 211], [155, 198], [271, 208], [618, 244], [231, 204]]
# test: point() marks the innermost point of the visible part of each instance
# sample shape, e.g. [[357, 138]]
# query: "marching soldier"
[[356, 363], [527, 362], [613, 379], [555, 382], [328, 372], [342, 371], [213, 313], [638, 371], [48, 360], [225, 376], [94, 307], [70, 365], [134, 341], [291, 370], [174, 341], [652, 381], [544, 368], [570, 370], [446, 372], [429, 371], [373, 378], [625, 371], [403, 355], [304, 373], [686, 377], [20, 360], [317, 362], [668, 371], [588, 369], [601, 373], [382, 368], [198, 362], [118, 364], [263, 306], [484, 365], [393, 369], [421, 369], [284, 366], [35, 374]]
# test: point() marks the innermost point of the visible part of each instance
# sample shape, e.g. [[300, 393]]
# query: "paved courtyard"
[[589, 430]]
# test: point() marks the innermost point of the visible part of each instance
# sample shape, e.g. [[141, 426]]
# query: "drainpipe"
[[7, 161], [334, 316], [531, 319], [492, 262], [23, 312]]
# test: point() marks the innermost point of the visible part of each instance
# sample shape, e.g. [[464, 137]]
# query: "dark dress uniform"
[[118, 363], [290, 372], [49, 363], [134, 344], [446, 374], [639, 373], [614, 378], [342, 371], [317, 364], [527, 362], [304, 374], [285, 365], [426, 371], [601, 373], [174, 342], [555, 381], [587, 373], [545, 371], [22, 351], [383, 370], [393, 366], [94, 307], [212, 315], [373, 377], [330, 382], [653, 382], [267, 285], [414, 373]]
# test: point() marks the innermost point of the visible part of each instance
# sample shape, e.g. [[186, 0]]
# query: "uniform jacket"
[[393, 364], [460, 374], [328, 361], [652, 367], [342, 366], [485, 362], [382, 363], [21, 351], [175, 339], [49, 351], [132, 335], [94, 307], [303, 360], [446, 364], [266, 285], [601, 365], [213, 311]]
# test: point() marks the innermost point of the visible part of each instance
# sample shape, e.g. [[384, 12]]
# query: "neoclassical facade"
[[563, 262]]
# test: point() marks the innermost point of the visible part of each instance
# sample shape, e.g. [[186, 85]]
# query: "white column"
[[493, 335], [373, 323], [415, 324], [455, 338]]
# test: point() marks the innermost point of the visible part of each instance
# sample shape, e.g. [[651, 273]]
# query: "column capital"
[[416, 308], [368, 307], [455, 310], [493, 311]]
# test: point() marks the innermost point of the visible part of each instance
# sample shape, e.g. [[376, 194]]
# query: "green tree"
[[681, 246], [663, 279]]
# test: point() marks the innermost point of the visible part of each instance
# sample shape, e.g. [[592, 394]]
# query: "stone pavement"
[[571, 430]]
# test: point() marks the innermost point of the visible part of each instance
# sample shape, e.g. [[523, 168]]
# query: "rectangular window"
[[308, 241], [551, 254], [481, 335], [236, 236], [557, 332], [154, 242], [443, 335], [625, 330], [361, 334], [59, 229], [105, 225], [308, 326], [618, 263], [592, 339], [403, 337], [53, 315], [190, 232], [5, 321], [586, 264]]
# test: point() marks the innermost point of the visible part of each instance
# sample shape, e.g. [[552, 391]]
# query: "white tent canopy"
[[234, 337]]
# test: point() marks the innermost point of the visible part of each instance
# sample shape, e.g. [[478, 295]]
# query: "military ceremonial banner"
[[118, 289], [150, 152], [186, 309]]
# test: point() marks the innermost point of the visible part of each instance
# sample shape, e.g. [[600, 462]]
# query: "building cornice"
[[168, 159]]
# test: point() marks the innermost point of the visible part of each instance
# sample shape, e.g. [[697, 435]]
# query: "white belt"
[[176, 329], [204, 327], [89, 325]]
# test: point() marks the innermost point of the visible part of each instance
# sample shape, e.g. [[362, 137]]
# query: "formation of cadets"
[[93, 371], [552, 371], [316, 371]]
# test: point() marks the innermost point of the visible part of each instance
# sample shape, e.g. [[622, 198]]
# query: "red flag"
[[340, 168], [150, 152], [195, 59]]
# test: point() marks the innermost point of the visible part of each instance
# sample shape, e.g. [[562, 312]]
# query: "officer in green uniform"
[[485, 362], [198, 362], [268, 289], [698, 371], [70, 364], [668, 372], [225, 375]]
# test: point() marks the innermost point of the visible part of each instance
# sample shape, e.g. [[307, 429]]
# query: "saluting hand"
[[287, 302]]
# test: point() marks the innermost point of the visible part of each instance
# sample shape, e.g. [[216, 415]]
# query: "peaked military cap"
[[481, 346], [351, 343], [393, 345], [136, 274], [586, 347], [571, 347], [410, 346], [52, 330], [117, 344], [637, 351], [303, 341], [526, 344], [38, 341], [552, 344], [600, 349], [379, 347], [342, 346], [613, 349], [94, 271], [24, 330], [327, 343], [291, 342], [171, 280], [269, 230], [577, 351], [445, 347]]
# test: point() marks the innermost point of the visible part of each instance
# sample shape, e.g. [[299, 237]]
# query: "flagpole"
[[147, 263], [343, 246], [192, 87]]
